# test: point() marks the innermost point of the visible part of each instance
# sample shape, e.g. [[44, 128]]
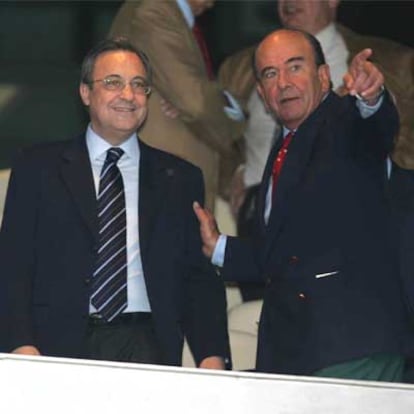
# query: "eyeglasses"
[[116, 83]]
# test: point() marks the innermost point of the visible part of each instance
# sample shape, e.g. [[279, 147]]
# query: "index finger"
[[199, 212], [360, 58]]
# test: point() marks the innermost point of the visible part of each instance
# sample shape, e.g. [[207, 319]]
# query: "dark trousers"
[[128, 338]]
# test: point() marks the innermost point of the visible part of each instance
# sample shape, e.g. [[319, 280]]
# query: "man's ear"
[[324, 77], [84, 91]]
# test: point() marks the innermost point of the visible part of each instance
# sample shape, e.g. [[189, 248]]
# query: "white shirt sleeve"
[[219, 251]]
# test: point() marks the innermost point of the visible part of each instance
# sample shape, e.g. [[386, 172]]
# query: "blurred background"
[[42, 44]]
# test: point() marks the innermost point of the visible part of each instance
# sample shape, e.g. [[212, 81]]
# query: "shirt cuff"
[[233, 110], [219, 251], [367, 110]]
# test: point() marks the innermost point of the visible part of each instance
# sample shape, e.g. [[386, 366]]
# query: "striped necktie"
[[109, 283]]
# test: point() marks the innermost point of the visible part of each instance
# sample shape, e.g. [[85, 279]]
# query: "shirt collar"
[[287, 131], [98, 147], [186, 11]]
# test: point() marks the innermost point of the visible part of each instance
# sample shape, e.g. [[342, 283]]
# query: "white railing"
[[66, 386]]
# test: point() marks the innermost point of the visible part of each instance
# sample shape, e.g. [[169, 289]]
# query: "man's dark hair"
[[112, 45], [313, 41]]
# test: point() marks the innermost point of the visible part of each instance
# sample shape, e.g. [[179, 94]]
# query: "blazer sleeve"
[[377, 132], [241, 262], [17, 253], [396, 62]]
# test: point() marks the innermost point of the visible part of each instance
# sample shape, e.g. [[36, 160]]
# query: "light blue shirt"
[[128, 165], [219, 251], [187, 12]]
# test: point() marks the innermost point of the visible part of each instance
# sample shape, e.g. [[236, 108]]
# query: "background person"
[[205, 127]]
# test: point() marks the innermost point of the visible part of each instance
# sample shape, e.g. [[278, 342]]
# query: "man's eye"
[[294, 68], [269, 74], [138, 85], [113, 83]]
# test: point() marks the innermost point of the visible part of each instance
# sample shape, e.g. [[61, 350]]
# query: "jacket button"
[[302, 296], [87, 281], [268, 281]]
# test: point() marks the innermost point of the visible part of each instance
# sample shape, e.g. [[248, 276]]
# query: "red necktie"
[[280, 158], [198, 34]]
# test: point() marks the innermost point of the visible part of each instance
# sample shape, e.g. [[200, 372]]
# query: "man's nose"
[[127, 92], [283, 80]]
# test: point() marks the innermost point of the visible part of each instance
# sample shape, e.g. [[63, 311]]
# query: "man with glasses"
[[102, 260]]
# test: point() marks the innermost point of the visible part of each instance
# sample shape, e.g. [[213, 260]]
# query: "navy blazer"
[[333, 292], [401, 188], [48, 243]]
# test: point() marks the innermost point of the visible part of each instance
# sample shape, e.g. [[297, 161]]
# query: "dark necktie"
[[109, 283], [279, 160], [198, 34]]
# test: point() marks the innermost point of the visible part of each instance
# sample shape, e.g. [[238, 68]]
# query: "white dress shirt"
[[336, 53], [128, 165]]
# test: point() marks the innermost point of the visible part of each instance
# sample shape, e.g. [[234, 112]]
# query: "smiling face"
[[290, 83], [115, 115], [309, 15]]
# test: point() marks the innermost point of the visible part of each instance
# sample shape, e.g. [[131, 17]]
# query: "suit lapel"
[[153, 187], [293, 170], [76, 172], [265, 181], [152, 195]]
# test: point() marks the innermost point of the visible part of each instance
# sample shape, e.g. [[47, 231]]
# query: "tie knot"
[[287, 139], [114, 154]]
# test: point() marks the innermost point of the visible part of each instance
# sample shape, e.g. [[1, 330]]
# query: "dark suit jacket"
[[401, 187], [333, 292], [48, 242]]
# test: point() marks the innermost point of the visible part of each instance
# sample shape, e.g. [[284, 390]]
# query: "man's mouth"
[[287, 100], [124, 108]]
